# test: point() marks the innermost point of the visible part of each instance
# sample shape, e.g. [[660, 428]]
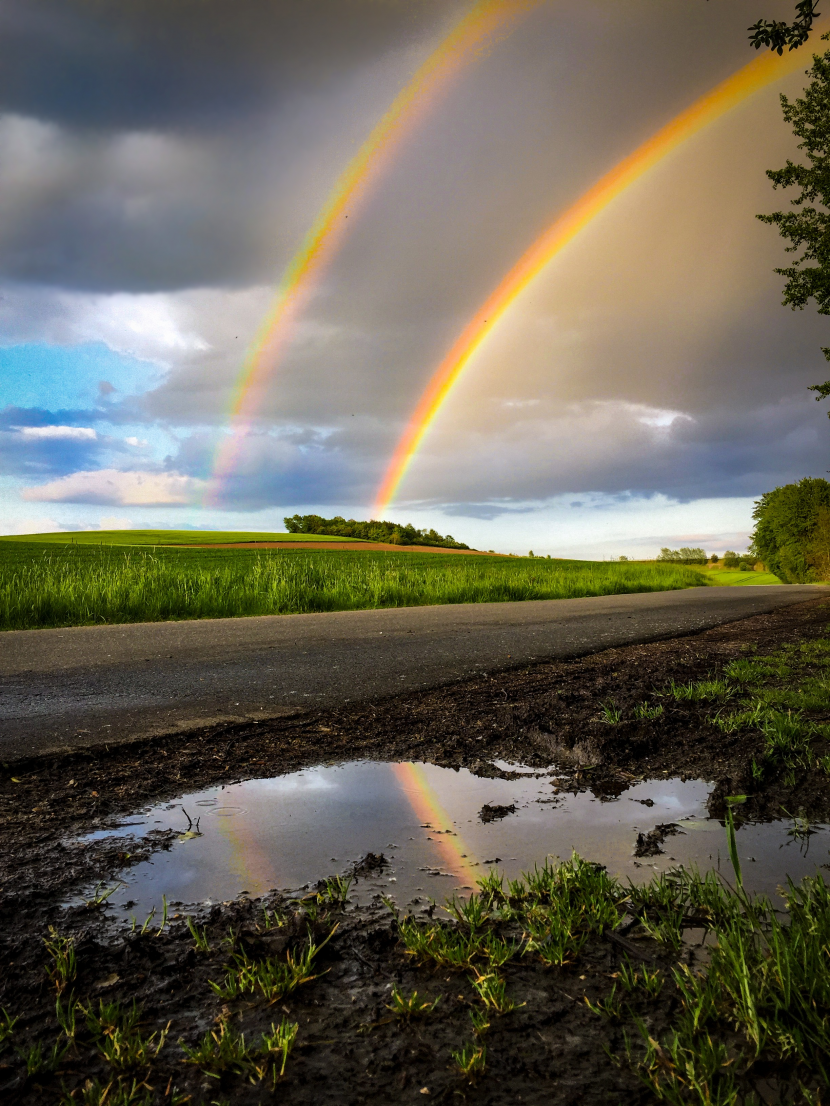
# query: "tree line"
[[395, 533]]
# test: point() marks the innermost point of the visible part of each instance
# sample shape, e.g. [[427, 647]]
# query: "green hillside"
[[164, 537]]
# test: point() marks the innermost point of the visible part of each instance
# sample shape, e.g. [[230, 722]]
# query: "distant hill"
[[154, 537], [395, 532]]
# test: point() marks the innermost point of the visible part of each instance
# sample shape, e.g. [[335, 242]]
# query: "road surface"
[[90, 685]]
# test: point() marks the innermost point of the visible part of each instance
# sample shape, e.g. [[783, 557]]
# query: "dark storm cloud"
[[193, 142], [620, 448], [186, 147], [142, 64]]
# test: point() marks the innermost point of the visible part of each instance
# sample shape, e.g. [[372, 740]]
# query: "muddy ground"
[[349, 1048]]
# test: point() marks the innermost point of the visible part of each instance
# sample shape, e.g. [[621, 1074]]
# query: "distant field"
[[164, 537], [729, 577], [88, 584]]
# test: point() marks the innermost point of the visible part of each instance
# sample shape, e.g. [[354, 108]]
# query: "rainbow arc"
[[465, 43], [729, 94]]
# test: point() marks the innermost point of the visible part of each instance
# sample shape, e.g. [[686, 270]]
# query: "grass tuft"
[[411, 1006], [471, 1060]]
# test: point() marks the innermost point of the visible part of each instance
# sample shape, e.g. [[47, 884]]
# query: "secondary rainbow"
[[465, 42], [758, 74]]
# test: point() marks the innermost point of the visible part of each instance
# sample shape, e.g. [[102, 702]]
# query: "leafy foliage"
[[808, 227], [776, 34], [684, 556], [395, 532], [792, 532]]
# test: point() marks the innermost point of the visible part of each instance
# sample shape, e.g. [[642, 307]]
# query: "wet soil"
[[349, 1047]]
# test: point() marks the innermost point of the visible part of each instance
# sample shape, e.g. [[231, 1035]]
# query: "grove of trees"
[[395, 532], [684, 556], [792, 532]]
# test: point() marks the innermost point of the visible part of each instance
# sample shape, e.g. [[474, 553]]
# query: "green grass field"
[[733, 577], [86, 584], [164, 537]]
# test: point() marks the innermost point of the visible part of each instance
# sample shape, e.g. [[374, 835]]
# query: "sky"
[[162, 163]]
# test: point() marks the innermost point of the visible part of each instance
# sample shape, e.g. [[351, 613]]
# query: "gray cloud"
[[158, 170], [138, 64]]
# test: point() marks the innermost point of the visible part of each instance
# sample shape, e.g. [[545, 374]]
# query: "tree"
[[394, 532], [808, 227], [792, 533], [683, 556], [778, 34]]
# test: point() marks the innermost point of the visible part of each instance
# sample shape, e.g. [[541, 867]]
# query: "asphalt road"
[[84, 686]]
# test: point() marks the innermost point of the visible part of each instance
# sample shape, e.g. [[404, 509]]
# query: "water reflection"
[[289, 831]]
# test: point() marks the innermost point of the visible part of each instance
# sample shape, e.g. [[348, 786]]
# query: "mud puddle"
[[430, 832]]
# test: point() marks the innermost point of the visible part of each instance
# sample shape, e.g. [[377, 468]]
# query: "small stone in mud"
[[648, 844], [492, 813], [645, 802]]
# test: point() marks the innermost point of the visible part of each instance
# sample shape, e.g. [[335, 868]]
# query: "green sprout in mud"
[[666, 930], [609, 1007], [120, 1042], [224, 1050], [221, 1050], [36, 1061], [471, 1060], [411, 1006], [199, 935], [335, 892], [558, 907], [610, 713], [632, 980], [278, 1043], [63, 967], [471, 912], [116, 1092], [273, 919], [769, 980], [775, 695], [647, 712], [100, 895], [679, 1074], [441, 944], [491, 989], [271, 977], [699, 691], [66, 1015], [7, 1024], [480, 1020]]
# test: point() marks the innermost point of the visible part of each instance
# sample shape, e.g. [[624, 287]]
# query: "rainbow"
[[413, 781], [465, 41], [758, 74], [256, 864]]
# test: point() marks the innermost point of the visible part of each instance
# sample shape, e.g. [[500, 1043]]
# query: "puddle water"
[[290, 831]]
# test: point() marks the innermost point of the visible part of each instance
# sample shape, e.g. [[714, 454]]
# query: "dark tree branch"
[[777, 34]]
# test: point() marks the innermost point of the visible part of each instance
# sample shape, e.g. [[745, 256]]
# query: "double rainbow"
[[758, 74], [465, 42]]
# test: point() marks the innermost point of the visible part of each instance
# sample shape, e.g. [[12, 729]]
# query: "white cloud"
[[137, 442], [38, 525], [123, 489], [64, 433], [114, 522]]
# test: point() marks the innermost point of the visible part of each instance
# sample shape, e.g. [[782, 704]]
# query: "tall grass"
[[85, 586]]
